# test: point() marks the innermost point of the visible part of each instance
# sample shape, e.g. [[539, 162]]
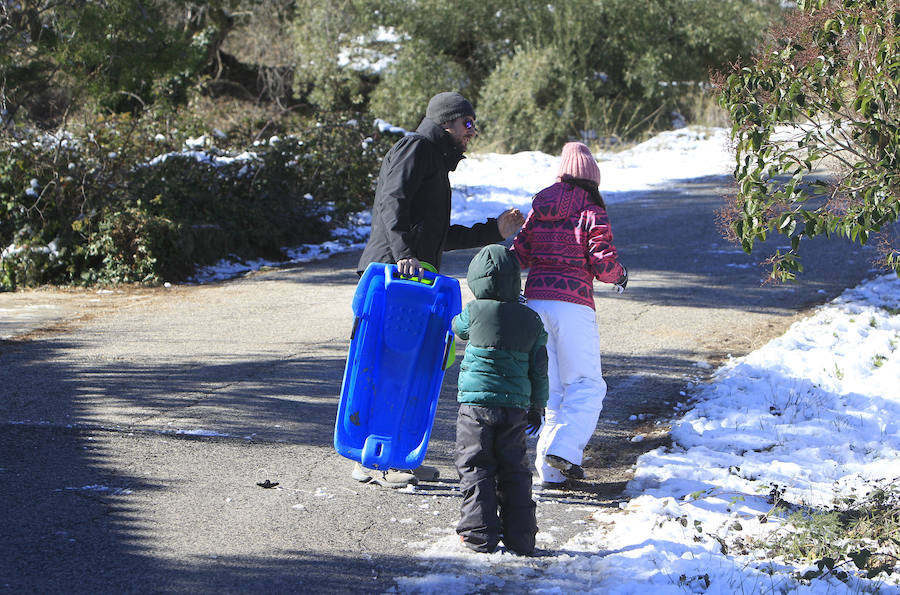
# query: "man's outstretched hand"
[[510, 222]]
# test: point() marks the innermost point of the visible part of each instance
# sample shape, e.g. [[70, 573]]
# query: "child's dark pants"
[[493, 474]]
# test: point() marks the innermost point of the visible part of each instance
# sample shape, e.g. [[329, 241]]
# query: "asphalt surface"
[[136, 425]]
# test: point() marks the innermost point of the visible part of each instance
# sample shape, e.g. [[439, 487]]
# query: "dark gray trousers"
[[494, 476]]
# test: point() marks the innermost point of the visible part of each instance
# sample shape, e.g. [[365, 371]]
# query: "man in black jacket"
[[411, 214], [411, 217]]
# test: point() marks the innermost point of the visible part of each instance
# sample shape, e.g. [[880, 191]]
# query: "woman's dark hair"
[[588, 186]]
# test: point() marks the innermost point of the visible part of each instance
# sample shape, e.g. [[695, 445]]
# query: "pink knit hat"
[[576, 161]]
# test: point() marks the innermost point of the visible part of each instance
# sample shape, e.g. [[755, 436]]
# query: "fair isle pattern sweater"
[[566, 243]]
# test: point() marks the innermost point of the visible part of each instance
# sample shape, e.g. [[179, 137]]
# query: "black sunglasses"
[[470, 124]]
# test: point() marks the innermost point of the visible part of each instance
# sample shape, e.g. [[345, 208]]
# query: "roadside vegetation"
[[816, 124], [857, 534], [139, 140]]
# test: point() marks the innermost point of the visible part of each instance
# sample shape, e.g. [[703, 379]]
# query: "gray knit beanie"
[[445, 107]]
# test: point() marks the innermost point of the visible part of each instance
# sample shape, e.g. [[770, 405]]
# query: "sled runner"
[[399, 348]]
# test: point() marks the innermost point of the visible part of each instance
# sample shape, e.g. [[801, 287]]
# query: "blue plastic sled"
[[400, 346]]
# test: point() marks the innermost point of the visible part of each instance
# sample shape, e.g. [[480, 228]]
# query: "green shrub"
[[320, 32], [116, 55], [132, 246], [463, 40], [541, 74], [115, 203], [536, 101], [525, 103], [26, 265], [856, 536], [417, 75]]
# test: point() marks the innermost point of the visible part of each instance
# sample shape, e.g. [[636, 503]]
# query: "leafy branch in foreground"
[[816, 125]]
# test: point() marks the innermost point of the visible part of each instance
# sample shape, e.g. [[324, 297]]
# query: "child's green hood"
[[494, 274]]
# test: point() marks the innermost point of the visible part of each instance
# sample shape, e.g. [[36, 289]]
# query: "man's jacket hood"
[[494, 274]]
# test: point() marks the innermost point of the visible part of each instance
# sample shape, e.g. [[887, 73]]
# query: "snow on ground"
[[810, 417], [484, 185]]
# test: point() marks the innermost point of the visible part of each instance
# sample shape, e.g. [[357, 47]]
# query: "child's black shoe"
[[570, 470]]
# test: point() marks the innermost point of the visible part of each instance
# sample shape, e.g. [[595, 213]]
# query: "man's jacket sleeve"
[[400, 184], [481, 234]]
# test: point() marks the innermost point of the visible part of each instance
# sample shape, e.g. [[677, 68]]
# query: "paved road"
[[135, 425]]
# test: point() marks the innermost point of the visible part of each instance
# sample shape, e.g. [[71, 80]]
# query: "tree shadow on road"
[[292, 399], [69, 512]]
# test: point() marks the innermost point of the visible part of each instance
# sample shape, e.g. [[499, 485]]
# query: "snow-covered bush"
[[105, 205]]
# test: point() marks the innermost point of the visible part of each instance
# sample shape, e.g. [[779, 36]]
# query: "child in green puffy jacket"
[[503, 390]]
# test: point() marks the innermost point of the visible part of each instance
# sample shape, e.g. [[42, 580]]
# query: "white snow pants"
[[577, 388]]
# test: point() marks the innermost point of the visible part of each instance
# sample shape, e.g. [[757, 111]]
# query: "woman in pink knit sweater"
[[565, 244]]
